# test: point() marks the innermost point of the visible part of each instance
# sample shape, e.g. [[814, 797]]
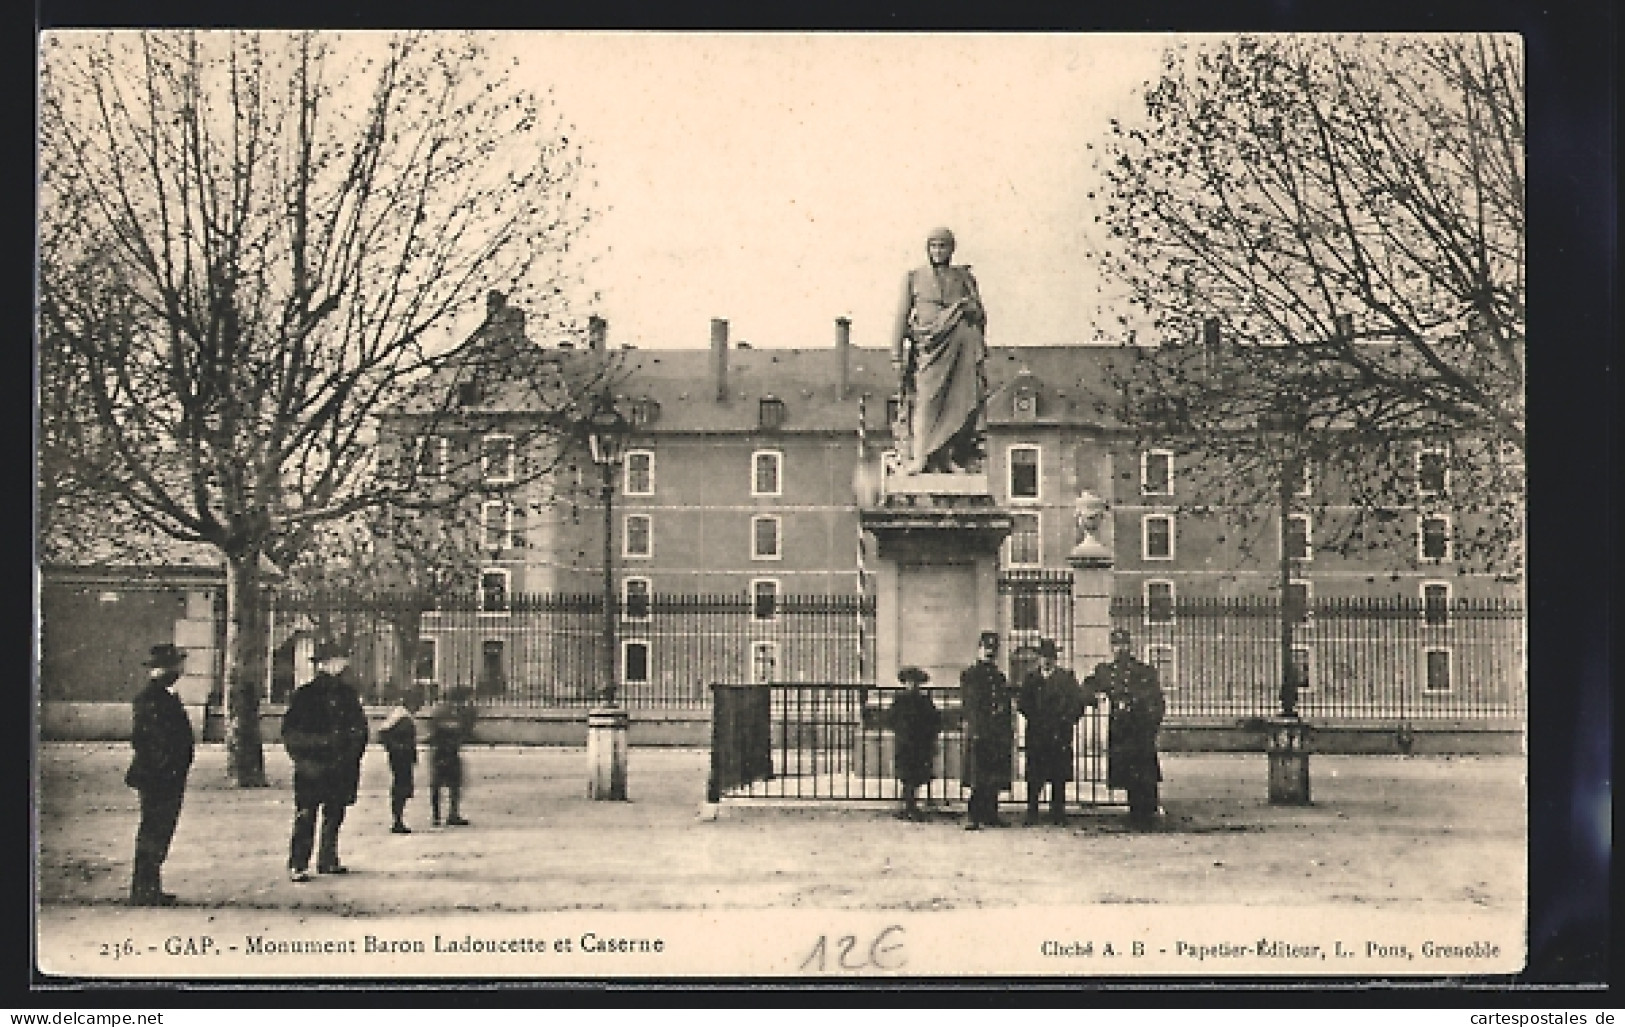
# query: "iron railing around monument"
[[836, 742], [546, 649], [1358, 660]]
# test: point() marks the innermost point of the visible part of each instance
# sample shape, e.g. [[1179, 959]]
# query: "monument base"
[[607, 730]]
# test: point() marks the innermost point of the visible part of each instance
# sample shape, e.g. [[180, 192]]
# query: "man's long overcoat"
[[325, 732], [1137, 710], [984, 695], [1052, 707]]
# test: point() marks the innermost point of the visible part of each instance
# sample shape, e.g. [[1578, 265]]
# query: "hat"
[[913, 675], [165, 654], [989, 639], [329, 651], [1120, 636], [1046, 647]]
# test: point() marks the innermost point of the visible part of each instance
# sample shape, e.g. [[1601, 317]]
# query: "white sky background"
[[782, 180]]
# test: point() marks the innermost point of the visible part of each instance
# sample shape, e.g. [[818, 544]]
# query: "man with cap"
[[161, 736], [1136, 716], [325, 733], [938, 350], [1051, 702], [984, 698]]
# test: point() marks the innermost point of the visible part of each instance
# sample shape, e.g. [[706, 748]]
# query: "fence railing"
[[548, 649], [1357, 659], [832, 741]]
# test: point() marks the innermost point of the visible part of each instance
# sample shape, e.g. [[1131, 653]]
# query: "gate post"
[[1091, 564]]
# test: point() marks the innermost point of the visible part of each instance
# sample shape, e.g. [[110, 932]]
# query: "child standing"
[[914, 722], [399, 735], [449, 725]]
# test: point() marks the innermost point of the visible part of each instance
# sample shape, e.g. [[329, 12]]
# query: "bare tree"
[[249, 244], [1327, 237]]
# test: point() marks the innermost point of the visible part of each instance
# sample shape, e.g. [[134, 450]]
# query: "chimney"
[[719, 355], [843, 354], [494, 302], [597, 329]]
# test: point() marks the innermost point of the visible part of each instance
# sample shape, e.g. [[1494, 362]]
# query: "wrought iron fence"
[[1038, 605], [547, 650], [822, 741], [1357, 659]]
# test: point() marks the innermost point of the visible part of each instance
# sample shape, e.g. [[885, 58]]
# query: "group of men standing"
[[1051, 702], [325, 732]]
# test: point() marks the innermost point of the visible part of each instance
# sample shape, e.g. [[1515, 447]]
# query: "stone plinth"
[[606, 753], [1286, 742], [935, 570]]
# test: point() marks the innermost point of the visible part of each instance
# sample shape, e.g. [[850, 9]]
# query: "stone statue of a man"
[[939, 350]]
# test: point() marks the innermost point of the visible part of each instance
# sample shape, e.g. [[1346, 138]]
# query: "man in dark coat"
[[1052, 702], [325, 733], [161, 736], [914, 723], [984, 697], [1136, 716]]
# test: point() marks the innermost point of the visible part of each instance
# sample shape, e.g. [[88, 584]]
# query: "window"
[[764, 476], [1159, 602], [635, 662], [635, 598], [1024, 611], [1436, 670], [493, 679], [468, 393], [1303, 667], [432, 453], [1300, 600], [1305, 485], [496, 525], [1156, 473], [764, 538], [1433, 538], [764, 662], [1433, 470], [764, 595], [639, 536], [1436, 603], [770, 412], [640, 473], [1164, 660], [894, 409], [645, 412], [496, 458], [1157, 537], [494, 590], [423, 660], [1024, 548], [1299, 538], [1024, 473]]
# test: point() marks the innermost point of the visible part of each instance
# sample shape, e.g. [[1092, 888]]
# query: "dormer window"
[[643, 412], [770, 413], [468, 393], [1025, 404]]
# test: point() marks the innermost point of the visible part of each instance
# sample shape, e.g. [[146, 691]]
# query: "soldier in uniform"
[[161, 736], [914, 723], [984, 697], [1051, 702], [325, 733], [1136, 716]]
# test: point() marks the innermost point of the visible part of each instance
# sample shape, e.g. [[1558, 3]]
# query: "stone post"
[[606, 753], [197, 634], [1091, 564], [1286, 742]]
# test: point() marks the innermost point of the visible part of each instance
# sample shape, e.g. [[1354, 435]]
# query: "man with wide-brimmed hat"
[[161, 736], [325, 734], [984, 696], [1051, 702], [1136, 716]]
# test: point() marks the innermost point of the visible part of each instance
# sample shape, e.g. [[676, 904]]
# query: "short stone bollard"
[[606, 753], [1287, 744]]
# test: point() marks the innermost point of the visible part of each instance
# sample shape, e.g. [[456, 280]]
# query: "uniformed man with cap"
[[984, 697], [161, 737], [1136, 716], [939, 351], [325, 733]]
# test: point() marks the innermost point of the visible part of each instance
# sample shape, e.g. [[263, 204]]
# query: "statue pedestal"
[[935, 570]]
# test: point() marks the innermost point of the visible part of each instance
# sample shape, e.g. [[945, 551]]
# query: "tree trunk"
[[245, 668]]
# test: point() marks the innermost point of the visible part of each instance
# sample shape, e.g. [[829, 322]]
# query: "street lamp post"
[[607, 724], [1287, 737]]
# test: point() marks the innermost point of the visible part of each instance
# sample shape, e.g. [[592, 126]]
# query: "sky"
[[783, 180]]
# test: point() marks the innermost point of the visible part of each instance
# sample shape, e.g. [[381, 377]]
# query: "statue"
[[938, 350]]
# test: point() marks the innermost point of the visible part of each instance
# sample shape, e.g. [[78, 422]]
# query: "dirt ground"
[[1418, 833]]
